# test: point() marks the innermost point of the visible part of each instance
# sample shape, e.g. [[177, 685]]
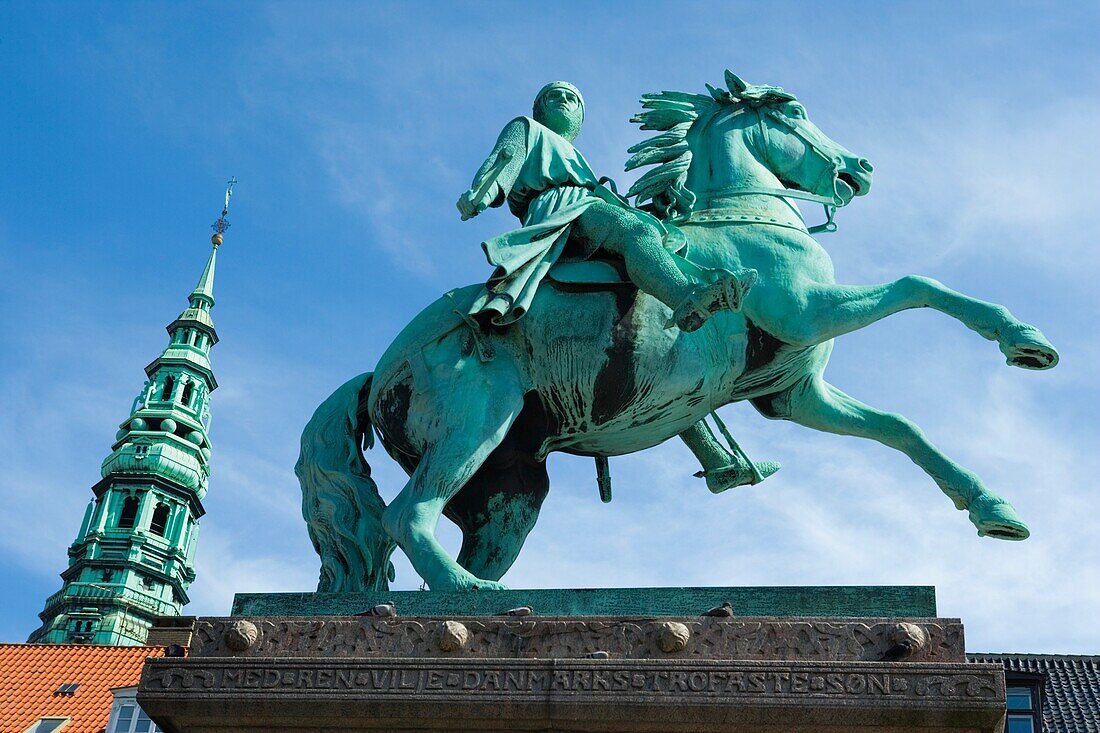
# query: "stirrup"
[[737, 474], [727, 292]]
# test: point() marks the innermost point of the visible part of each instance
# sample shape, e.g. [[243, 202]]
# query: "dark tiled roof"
[[1071, 688], [31, 676]]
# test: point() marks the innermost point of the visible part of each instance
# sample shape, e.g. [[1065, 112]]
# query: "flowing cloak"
[[553, 187]]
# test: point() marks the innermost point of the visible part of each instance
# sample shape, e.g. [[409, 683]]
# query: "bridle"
[[830, 204]]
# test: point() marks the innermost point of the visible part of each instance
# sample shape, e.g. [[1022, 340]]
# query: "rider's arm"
[[503, 166]]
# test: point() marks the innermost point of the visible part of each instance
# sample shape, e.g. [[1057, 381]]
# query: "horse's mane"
[[674, 113]]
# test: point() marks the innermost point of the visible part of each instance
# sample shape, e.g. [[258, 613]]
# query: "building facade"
[[1049, 693]]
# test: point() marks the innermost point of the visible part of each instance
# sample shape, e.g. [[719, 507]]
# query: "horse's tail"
[[340, 501]]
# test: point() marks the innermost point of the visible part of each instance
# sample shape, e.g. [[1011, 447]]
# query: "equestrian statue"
[[607, 328]]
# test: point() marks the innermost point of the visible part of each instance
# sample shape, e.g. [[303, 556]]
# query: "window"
[[129, 512], [1023, 706], [187, 390], [132, 719], [169, 383], [48, 725], [160, 519]]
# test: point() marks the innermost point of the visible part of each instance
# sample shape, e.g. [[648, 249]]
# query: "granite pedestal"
[[534, 671]]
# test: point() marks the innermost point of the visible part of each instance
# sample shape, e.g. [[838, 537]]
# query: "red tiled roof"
[[30, 673]]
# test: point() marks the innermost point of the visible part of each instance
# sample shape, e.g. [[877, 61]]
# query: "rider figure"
[[566, 214]]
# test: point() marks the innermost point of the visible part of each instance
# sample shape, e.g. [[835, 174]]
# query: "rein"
[[829, 203], [730, 215]]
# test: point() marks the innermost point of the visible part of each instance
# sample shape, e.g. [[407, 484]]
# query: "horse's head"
[[791, 147], [742, 137]]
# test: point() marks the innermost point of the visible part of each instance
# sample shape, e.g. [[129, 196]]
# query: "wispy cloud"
[[355, 130]]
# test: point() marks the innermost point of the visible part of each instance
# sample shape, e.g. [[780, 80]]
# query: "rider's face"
[[561, 99], [561, 111]]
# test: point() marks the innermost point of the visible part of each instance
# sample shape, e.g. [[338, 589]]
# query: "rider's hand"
[[467, 206]]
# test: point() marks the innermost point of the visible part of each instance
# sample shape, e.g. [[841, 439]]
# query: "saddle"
[[601, 272], [595, 273]]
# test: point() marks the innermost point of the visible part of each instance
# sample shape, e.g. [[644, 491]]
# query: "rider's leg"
[[721, 468], [490, 401], [652, 268], [638, 242], [816, 404], [817, 313]]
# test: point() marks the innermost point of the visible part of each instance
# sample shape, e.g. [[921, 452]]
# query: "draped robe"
[[552, 186]]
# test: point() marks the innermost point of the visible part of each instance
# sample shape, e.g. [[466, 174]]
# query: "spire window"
[[160, 520], [188, 389], [169, 385], [129, 513]]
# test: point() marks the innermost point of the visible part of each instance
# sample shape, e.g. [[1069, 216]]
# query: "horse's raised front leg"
[[817, 404], [463, 432], [816, 313]]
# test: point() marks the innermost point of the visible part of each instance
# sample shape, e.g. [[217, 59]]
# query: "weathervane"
[[222, 224]]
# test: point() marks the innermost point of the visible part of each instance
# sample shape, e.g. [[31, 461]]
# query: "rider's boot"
[[726, 292], [738, 473], [722, 469]]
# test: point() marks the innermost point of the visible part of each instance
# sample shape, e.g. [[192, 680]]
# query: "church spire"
[[133, 557]]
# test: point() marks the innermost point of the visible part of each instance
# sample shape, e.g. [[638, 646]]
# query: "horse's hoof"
[[462, 580], [1026, 347], [995, 517]]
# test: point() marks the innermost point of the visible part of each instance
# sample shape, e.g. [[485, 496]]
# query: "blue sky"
[[354, 127]]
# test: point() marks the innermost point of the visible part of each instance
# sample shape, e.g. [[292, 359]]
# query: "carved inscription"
[[709, 682]]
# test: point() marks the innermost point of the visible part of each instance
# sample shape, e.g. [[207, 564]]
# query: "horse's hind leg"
[[817, 404], [820, 312], [497, 509], [468, 429]]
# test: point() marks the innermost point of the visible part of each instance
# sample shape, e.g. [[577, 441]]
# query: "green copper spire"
[[133, 557], [204, 291]]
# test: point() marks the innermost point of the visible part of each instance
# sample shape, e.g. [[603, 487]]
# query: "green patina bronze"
[[848, 601], [607, 329]]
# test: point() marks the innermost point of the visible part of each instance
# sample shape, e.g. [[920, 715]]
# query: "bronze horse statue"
[[591, 369]]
